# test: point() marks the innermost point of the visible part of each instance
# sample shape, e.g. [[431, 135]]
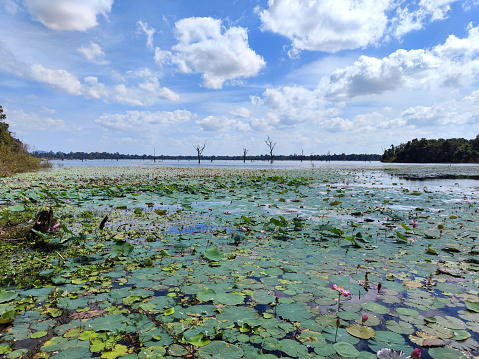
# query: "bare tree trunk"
[[199, 150], [245, 151], [270, 144]]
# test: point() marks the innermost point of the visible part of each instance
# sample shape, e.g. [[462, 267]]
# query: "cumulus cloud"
[[149, 32], [93, 52], [241, 112], [451, 112], [296, 104], [204, 46], [330, 25], [450, 64], [68, 15], [27, 122], [141, 121], [60, 80], [215, 123]]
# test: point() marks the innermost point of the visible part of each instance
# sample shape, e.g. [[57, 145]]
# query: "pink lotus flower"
[[228, 212], [141, 192], [244, 229], [334, 286], [364, 318], [55, 226], [68, 201]]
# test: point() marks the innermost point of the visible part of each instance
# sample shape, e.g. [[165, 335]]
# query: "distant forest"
[[117, 156], [454, 150]]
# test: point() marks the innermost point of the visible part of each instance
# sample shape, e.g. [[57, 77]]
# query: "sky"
[[165, 76]]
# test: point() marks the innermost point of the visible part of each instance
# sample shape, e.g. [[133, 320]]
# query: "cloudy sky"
[[351, 76]]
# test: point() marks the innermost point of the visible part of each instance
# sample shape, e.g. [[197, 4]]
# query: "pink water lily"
[[228, 212], [364, 318]]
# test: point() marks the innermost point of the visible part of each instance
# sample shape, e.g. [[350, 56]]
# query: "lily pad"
[[361, 331], [346, 350], [220, 350]]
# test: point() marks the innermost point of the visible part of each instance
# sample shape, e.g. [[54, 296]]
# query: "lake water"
[[240, 164]]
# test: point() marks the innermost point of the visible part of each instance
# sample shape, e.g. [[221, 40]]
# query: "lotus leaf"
[[375, 308], [7, 296], [220, 350], [361, 331], [294, 312], [229, 298], [472, 306], [400, 327], [329, 333], [445, 353], [213, 254]]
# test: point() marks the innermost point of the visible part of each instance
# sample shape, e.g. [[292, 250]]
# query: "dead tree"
[[270, 144], [245, 151], [154, 154], [302, 154], [199, 150]]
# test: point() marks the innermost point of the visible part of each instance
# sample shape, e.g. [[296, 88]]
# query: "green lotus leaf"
[[292, 348], [407, 311], [237, 314], [346, 350], [5, 349], [329, 333], [472, 306], [213, 254], [295, 312], [17, 353], [445, 353], [109, 323], [220, 350], [375, 308], [400, 327], [73, 353], [450, 322], [7, 296], [39, 334], [152, 352], [229, 298]]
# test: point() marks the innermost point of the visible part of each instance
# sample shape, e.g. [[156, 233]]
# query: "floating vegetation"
[[233, 263]]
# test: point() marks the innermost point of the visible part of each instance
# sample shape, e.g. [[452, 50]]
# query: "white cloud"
[[215, 123], [206, 47], [69, 15], [407, 20], [144, 121], [241, 112], [241, 126], [144, 93], [327, 25], [296, 104], [22, 122], [268, 122], [451, 64], [60, 80], [93, 53], [464, 112], [149, 32]]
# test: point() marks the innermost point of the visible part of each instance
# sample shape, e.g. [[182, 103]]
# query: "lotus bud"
[[364, 318], [416, 354]]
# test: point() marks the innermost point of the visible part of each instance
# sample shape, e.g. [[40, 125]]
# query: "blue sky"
[[316, 76]]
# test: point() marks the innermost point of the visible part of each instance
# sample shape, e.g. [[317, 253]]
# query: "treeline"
[[454, 150], [14, 155], [117, 156]]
